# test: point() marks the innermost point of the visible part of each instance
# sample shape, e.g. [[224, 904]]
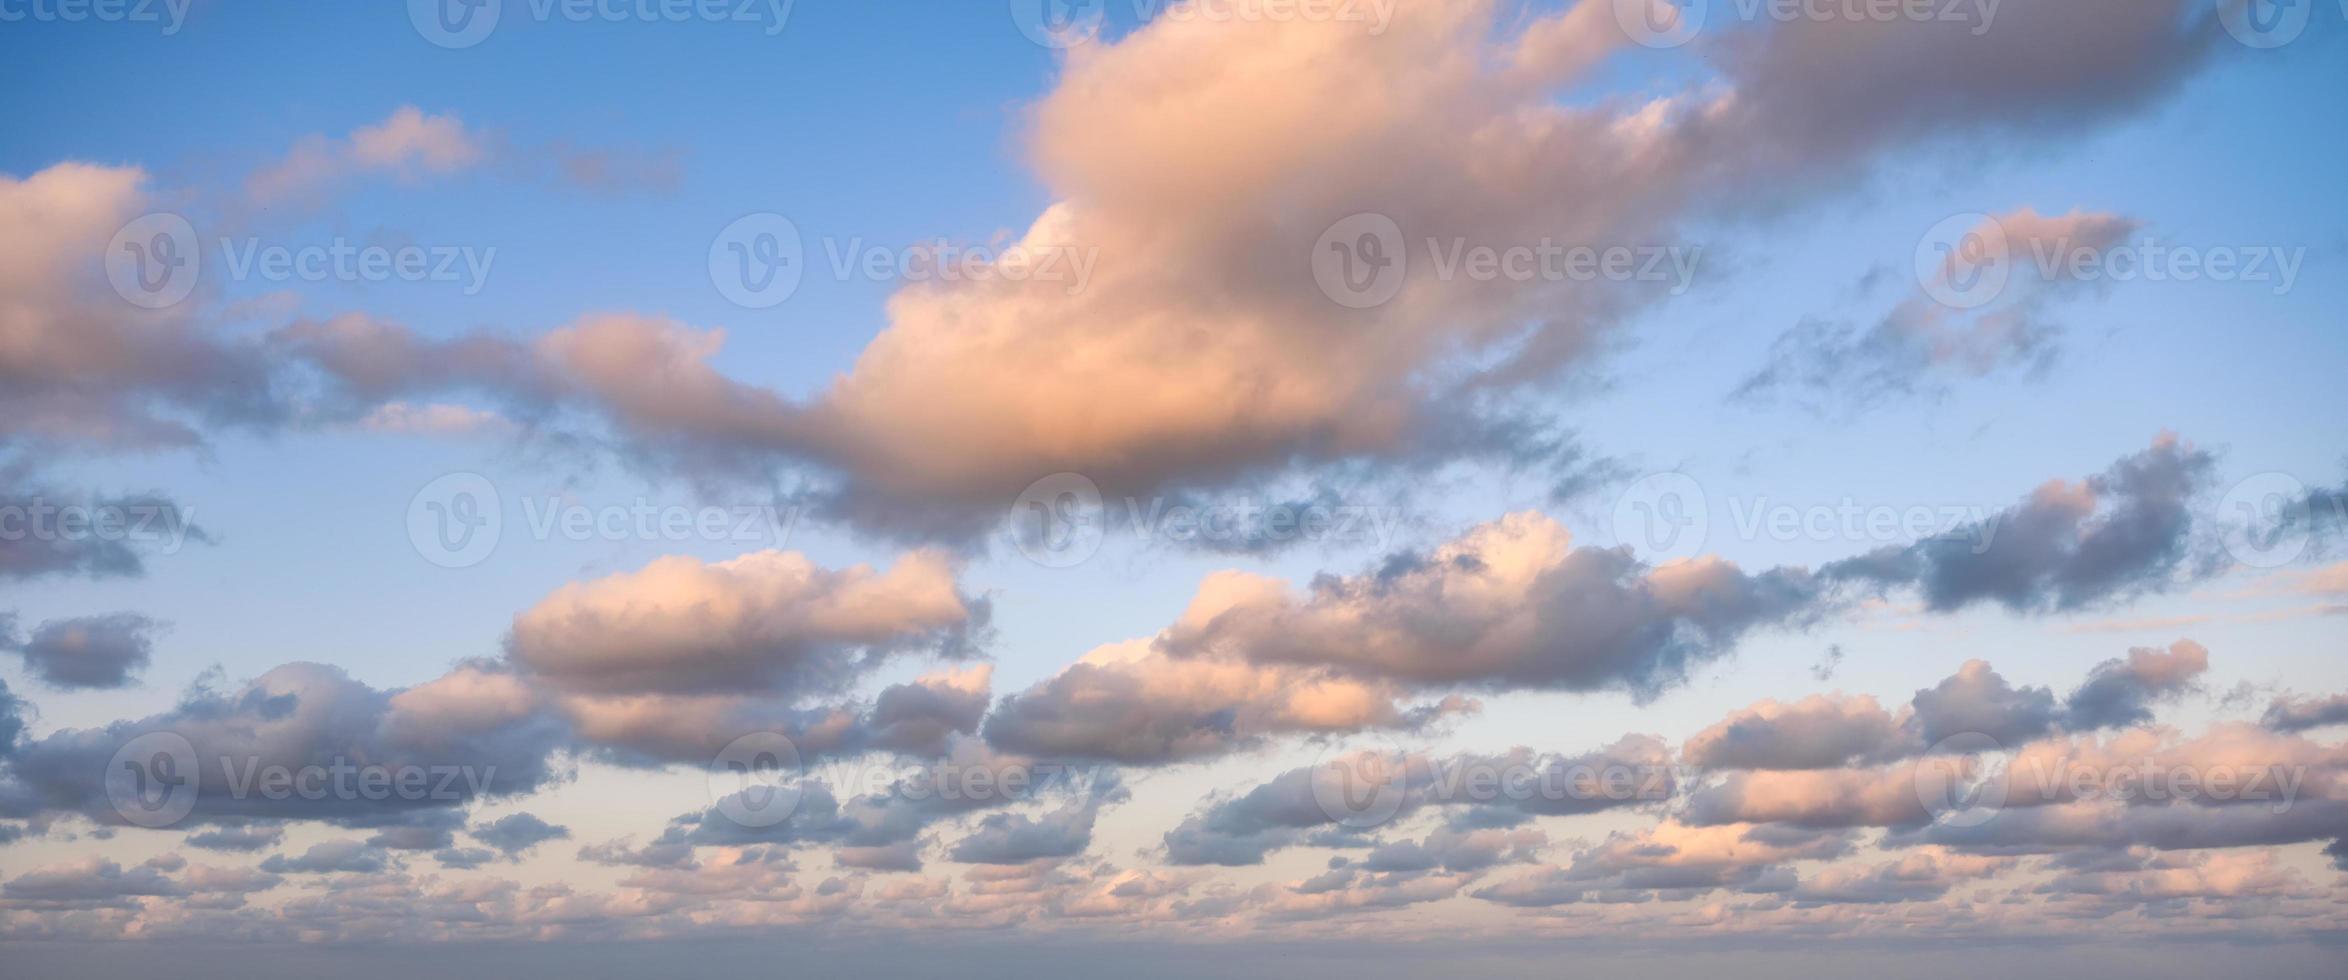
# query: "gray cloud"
[[2119, 693], [91, 651], [516, 834], [2122, 533], [2289, 714], [330, 857]]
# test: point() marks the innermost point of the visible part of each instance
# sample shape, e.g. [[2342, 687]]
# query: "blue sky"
[[895, 125]]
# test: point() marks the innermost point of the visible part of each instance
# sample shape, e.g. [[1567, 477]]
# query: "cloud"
[[2291, 714], [1924, 341], [409, 144], [2121, 692], [72, 533], [330, 857], [1671, 860], [1920, 876], [1218, 360], [1131, 703], [1481, 790], [91, 881], [767, 621], [312, 722], [516, 834], [2122, 533], [1978, 700], [89, 652], [1017, 838], [84, 366], [1818, 732], [245, 839], [1509, 604]]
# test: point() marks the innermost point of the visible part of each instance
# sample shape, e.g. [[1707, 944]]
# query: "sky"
[[1235, 480]]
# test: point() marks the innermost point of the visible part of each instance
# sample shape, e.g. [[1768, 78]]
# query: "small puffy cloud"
[[2122, 692], [1509, 604], [238, 839], [90, 651], [516, 834], [409, 144], [1977, 699], [1821, 731], [330, 857], [768, 621], [1131, 703], [91, 881]]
